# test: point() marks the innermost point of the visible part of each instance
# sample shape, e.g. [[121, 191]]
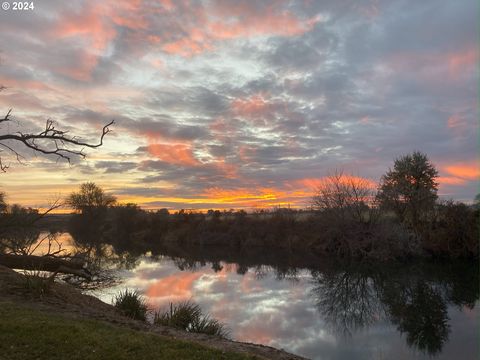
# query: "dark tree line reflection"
[[412, 296]]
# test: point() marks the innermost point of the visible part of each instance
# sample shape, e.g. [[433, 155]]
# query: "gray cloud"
[[368, 82]]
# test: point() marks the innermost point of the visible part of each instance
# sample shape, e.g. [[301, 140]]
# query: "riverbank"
[[65, 323]]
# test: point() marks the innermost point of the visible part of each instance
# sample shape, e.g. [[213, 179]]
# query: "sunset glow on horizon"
[[239, 104]]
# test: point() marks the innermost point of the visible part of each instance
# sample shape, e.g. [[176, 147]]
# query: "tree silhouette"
[[49, 141], [410, 189], [91, 198]]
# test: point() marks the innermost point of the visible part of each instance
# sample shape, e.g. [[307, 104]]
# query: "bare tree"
[[345, 197], [49, 141], [18, 233]]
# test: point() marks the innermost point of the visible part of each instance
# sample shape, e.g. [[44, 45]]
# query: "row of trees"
[[353, 219], [409, 191], [403, 217], [406, 203]]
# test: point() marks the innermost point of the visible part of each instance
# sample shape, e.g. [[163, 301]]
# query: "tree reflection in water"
[[413, 298], [346, 299], [420, 312]]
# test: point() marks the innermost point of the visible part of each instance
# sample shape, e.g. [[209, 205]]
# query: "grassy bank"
[[26, 333]]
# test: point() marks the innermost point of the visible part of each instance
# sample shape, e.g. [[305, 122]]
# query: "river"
[[317, 308]]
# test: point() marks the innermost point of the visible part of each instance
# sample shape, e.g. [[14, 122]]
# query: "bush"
[[132, 304], [188, 316], [454, 232]]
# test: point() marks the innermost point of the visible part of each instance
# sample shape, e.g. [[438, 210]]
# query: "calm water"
[[313, 307]]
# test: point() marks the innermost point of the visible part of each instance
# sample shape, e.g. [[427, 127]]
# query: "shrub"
[[454, 232], [132, 304], [188, 316]]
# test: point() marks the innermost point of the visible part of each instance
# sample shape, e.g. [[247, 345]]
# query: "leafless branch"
[[50, 141]]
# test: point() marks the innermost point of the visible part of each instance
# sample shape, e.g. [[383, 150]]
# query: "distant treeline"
[[349, 218], [453, 232]]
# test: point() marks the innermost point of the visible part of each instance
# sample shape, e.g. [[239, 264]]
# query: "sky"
[[239, 104]]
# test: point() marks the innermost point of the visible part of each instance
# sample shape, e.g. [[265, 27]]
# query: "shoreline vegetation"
[[349, 218]]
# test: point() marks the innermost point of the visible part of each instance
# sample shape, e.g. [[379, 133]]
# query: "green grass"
[[31, 334]]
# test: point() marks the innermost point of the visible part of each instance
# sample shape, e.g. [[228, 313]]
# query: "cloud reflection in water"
[[293, 312]]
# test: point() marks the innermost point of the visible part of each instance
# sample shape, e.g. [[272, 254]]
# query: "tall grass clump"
[[37, 283], [132, 304], [188, 316]]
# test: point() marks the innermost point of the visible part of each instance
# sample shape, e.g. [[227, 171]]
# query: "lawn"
[[26, 333]]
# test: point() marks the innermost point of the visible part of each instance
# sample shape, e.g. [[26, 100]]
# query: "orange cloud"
[[179, 154], [450, 180], [315, 183], [261, 197], [467, 171], [242, 194], [179, 286]]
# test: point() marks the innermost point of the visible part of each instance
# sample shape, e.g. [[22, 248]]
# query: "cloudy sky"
[[229, 103]]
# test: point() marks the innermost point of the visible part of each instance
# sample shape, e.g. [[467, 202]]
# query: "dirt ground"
[[68, 301]]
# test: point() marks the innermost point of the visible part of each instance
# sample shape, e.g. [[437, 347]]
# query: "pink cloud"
[[179, 285], [253, 106], [186, 47], [246, 19], [180, 154], [460, 61]]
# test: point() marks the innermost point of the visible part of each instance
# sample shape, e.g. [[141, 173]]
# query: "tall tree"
[[410, 188]]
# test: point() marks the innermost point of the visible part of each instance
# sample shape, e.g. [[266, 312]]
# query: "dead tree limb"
[[45, 263], [50, 141]]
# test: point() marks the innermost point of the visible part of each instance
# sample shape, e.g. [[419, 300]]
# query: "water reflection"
[[313, 307], [347, 299], [359, 296]]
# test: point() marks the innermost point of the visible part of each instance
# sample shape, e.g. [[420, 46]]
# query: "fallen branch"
[[45, 263]]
